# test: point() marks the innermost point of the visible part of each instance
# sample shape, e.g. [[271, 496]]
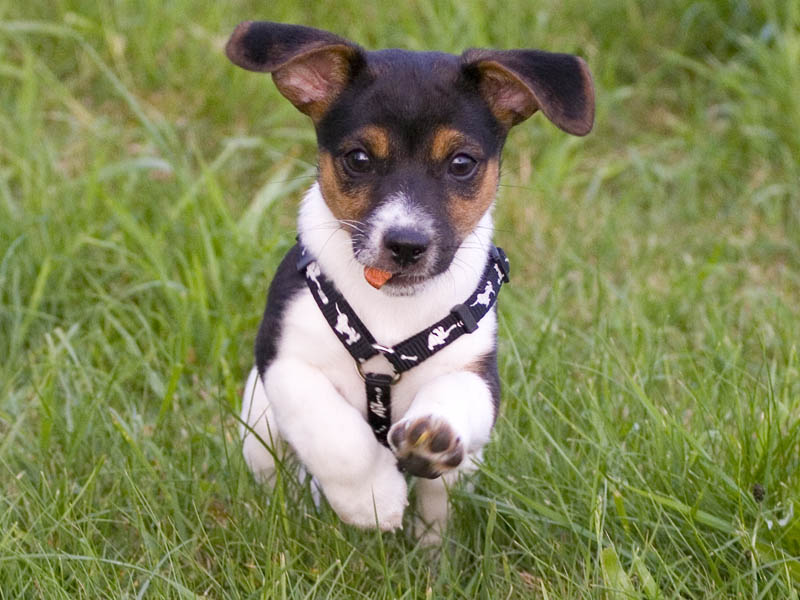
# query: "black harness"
[[361, 345]]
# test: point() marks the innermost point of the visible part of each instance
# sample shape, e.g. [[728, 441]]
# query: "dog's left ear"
[[309, 66], [517, 83]]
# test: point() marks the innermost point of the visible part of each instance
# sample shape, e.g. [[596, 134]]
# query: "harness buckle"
[[463, 313]]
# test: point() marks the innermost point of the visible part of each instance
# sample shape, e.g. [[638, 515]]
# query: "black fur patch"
[[284, 287], [264, 46]]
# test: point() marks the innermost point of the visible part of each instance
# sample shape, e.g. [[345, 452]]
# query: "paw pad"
[[426, 447]]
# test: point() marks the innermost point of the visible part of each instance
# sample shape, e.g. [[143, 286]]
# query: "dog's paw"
[[378, 502], [426, 447]]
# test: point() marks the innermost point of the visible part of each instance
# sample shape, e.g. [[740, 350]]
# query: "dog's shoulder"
[[286, 285]]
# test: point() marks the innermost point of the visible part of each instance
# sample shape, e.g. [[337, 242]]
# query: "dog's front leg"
[[444, 429], [358, 476], [450, 418]]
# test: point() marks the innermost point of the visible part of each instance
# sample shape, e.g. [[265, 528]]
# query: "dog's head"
[[410, 142]]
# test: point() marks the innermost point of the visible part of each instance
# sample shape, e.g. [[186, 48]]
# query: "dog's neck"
[[323, 236]]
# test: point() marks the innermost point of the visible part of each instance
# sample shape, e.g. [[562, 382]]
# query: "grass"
[[649, 443]]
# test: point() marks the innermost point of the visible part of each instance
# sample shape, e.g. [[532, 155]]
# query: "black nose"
[[406, 245]]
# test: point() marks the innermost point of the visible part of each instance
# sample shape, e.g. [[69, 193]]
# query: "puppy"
[[376, 355]]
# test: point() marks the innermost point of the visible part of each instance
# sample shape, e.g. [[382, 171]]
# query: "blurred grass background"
[[649, 444]]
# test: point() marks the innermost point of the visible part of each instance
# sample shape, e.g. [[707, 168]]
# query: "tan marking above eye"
[[466, 210], [376, 139], [445, 141], [349, 205]]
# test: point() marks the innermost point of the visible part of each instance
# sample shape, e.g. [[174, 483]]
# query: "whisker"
[[520, 187], [352, 224], [330, 237], [481, 243], [465, 265]]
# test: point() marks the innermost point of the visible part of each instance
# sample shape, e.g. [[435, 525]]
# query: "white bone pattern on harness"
[[343, 327], [485, 297], [313, 273], [438, 337]]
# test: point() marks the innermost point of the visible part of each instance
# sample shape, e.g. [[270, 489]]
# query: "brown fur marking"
[[344, 204], [376, 139], [445, 141], [509, 99], [466, 210]]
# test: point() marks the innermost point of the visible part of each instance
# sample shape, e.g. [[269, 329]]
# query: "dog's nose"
[[406, 245]]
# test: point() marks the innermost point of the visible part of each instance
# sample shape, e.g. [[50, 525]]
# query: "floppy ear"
[[309, 66], [517, 83]]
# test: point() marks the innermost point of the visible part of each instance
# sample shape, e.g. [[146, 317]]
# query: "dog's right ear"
[[309, 66]]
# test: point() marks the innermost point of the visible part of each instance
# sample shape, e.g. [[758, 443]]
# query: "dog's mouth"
[[400, 261], [377, 277], [380, 272], [401, 282]]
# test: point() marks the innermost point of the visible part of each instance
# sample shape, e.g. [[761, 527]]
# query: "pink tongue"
[[376, 277]]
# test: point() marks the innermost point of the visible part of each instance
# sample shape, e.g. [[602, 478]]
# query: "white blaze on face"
[[396, 212]]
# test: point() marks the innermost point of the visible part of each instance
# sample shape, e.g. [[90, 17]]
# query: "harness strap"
[[360, 343], [463, 318], [379, 404], [353, 334]]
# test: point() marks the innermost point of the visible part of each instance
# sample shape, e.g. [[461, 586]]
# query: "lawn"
[[649, 440]]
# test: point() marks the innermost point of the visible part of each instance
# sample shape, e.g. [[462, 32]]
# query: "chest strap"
[[360, 343]]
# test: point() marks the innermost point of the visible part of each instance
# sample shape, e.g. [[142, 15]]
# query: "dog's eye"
[[358, 161], [462, 166]]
